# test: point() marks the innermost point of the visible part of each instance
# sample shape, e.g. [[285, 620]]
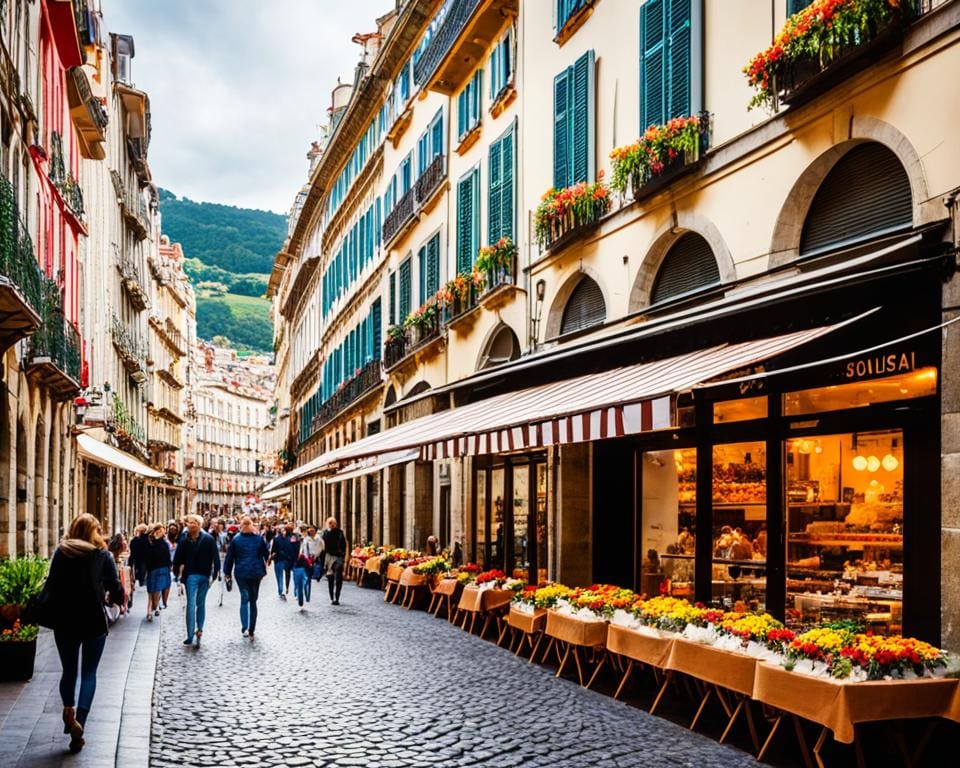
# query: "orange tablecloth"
[[839, 706], [527, 622], [474, 599], [410, 578], [735, 671], [576, 631], [654, 651], [446, 587], [373, 564], [394, 572]]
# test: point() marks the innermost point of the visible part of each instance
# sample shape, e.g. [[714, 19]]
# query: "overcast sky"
[[238, 87]]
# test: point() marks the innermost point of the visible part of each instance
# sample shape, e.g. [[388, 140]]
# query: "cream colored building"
[[578, 418]]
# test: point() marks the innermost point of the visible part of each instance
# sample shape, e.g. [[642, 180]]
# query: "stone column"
[[950, 469], [574, 509], [419, 499]]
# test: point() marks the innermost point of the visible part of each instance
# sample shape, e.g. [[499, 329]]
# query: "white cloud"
[[238, 87]]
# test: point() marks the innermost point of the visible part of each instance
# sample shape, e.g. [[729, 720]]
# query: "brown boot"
[[72, 726]]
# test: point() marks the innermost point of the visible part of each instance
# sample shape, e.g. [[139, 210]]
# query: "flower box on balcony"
[[822, 44], [660, 156], [568, 214]]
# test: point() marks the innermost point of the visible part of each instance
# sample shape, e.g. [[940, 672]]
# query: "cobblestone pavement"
[[369, 684]]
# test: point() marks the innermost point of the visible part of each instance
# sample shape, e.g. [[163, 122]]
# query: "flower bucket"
[[16, 660]]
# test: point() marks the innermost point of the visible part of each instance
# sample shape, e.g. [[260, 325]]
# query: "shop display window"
[[669, 522], [909, 384], [844, 510], [542, 524], [480, 535], [744, 409], [738, 520], [520, 559]]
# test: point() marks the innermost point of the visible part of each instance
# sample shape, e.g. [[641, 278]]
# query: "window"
[[376, 319], [865, 195], [405, 286], [430, 143], [573, 123], [688, 266], [666, 61], [469, 105], [468, 220], [585, 307], [392, 306], [428, 261], [501, 65], [795, 6], [567, 9], [501, 196], [406, 174]]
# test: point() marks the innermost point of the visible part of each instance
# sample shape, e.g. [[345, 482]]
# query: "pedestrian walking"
[[82, 576], [173, 537], [283, 555], [117, 547], [311, 547], [139, 545], [247, 556], [334, 552], [197, 563], [157, 563]]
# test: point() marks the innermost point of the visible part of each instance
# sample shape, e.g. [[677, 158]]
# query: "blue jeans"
[[70, 649], [196, 586], [282, 570], [249, 592], [301, 584]]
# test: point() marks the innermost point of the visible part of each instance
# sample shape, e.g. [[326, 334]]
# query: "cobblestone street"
[[365, 683]]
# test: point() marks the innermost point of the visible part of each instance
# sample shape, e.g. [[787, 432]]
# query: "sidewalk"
[[118, 729]]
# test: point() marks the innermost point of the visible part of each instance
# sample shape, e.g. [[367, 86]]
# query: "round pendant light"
[[859, 463], [873, 463], [890, 462]]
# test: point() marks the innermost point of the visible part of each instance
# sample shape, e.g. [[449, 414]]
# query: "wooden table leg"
[[576, 658], [818, 746], [858, 752], [666, 681], [924, 740], [766, 742], [563, 661], [536, 647], [623, 682], [703, 703], [485, 626], [751, 725], [731, 721], [503, 633], [596, 671], [802, 741]]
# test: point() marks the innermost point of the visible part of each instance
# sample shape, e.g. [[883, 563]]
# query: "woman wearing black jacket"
[[157, 561], [82, 574], [334, 553]]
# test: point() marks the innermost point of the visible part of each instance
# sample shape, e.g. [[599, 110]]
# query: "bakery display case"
[[844, 529]]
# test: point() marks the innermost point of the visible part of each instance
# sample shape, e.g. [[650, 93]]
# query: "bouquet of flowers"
[[432, 566], [19, 633], [561, 210], [650, 155], [467, 573], [494, 577]]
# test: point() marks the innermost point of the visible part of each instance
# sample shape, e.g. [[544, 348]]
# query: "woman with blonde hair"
[[82, 575]]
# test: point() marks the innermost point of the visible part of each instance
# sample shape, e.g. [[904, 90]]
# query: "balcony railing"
[[175, 337], [430, 179], [399, 348], [456, 19], [366, 379], [130, 434], [132, 206], [133, 351], [88, 114], [53, 352], [460, 305], [21, 280], [132, 281], [394, 350], [401, 214], [63, 180]]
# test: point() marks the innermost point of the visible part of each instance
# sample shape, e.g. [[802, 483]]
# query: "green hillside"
[[229, 254]]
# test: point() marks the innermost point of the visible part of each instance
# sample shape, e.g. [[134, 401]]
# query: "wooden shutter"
[[437, 140], [433, 265], [422, 269], [561, 130], [507, 214], [585, 307], [582, 124], [405, 288], [866, 194], [679, 53], [467, 221], [377, 323], [652, 63], [462, 113], [494, 191], [689, 265], [392, 279]]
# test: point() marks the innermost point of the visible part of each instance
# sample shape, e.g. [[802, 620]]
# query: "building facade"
[[720, 310]]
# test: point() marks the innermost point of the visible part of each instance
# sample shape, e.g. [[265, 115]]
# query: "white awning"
[[102, 453], [277, 493], [373, 464]]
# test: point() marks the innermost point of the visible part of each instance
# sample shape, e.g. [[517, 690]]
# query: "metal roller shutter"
[[584, 308], [689, 265]]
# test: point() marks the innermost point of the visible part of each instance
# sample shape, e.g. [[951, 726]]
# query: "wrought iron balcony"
[[132, 282], [88, 115], [174, 336], [21, 280], [133, 207], [53, 353], [129, 433], [63, 180], [366, 379], [133, 351], [430, 180], [399, 349], [399, 217], [394, 350]]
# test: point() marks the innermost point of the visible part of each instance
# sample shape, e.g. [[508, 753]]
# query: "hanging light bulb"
[[890, 462], [818, 448], [803, 446], [873, 463], [859, 463]]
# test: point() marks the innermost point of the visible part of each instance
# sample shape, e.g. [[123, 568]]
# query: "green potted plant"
[[18, 649], [21, 579]]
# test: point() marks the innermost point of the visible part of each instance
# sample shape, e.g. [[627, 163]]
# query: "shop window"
[[584, 308], [688, 266], [669, 522], [910, 384], [865, 195], [844, 525], [744, 409], [520, 556], [738, 520]]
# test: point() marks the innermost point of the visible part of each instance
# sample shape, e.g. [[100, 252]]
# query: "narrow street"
[[371, 684]]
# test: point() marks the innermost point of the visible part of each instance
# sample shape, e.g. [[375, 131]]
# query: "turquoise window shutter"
[[405, 288], [678, 50], [465, 223], [433, 265], [583, 119], [653, 78], [795, 6], [561, 130], [462, 113], [494, 191], [422, 269], [507, 214], [437, 141], [392, 316], [377, 329]]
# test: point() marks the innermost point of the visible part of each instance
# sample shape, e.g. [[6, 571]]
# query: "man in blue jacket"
[[197, 564], [284, 554], [247, 555]]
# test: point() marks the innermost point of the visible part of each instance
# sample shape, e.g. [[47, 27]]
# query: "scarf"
[[76, 547]]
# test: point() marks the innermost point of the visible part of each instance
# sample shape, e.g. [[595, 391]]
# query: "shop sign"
[[886, 364]]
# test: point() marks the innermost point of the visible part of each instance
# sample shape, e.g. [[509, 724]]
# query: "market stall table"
[[445, 592], [571, 634], [654, 651], [489, 603], [392, 588], [526, 628], [412, 584]]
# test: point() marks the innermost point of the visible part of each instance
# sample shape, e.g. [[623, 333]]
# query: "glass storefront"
[[669, 522]]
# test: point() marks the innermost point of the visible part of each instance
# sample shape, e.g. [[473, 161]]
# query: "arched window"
[[502, 348], [391, 397], [416, 389], [866, 194], [585, 307], [688, 266]]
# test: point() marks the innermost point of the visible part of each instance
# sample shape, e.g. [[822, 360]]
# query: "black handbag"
[[40, 609]]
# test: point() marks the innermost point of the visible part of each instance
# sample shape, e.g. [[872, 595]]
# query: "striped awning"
[[370, 464], [624, 401]]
